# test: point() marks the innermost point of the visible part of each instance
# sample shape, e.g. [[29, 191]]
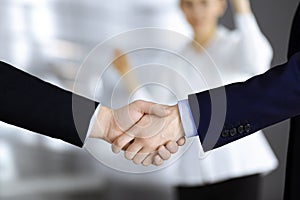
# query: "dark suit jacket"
[[255, 104], [33, 104], [251, 106], [292, 175]]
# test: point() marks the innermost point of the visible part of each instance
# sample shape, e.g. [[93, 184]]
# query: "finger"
[[149, 159], [164, 153], [147, 127], [127, 145], [121, 142], [132, 150], [138, 129], [141, 156], [157, 160], [172, 147], [181, 141]]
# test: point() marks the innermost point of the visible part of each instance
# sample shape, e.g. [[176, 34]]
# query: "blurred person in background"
[[235, 171]]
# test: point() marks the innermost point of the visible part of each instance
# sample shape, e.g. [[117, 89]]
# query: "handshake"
[[148, 133]]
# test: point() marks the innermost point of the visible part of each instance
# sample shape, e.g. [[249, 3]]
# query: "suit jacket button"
[[247, 128], [241, 129], [233, 132], [225, 133]]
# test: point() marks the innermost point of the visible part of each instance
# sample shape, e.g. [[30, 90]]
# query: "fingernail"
[[171, 145]]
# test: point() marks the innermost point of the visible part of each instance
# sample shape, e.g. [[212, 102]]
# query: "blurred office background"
[[51, 38]]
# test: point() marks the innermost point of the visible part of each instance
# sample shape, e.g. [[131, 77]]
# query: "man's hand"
[[153, 138], [163, 153], [112, 123]]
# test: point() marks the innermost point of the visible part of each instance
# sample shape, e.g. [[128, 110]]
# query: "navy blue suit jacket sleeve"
[[250, 106], [33, 104]]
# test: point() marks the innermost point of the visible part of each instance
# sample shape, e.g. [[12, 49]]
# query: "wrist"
[[241, 6], [102, 124], [180, 126]]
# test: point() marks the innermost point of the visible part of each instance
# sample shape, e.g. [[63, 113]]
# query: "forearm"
[[122, 65], [241, 6], [254, 50]]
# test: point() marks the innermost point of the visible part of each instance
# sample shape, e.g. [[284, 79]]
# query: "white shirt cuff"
[[187, 119]]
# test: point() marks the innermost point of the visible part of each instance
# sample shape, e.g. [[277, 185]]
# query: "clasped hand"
[[148, 133]]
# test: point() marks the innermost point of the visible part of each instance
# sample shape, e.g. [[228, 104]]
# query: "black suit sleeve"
[[38, 106]]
